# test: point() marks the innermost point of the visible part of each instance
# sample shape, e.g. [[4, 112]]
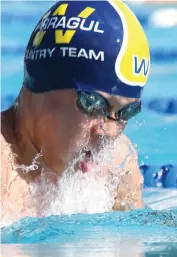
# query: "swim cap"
[[96, 45]]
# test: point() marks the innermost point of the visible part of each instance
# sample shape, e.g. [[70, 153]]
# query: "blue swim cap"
[[97, 45]]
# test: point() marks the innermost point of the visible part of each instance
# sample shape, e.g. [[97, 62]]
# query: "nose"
[[107, 127]]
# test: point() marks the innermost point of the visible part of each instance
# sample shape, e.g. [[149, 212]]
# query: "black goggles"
[[94, 104]]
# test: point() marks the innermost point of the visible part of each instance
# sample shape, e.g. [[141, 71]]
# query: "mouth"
[[87, 163]]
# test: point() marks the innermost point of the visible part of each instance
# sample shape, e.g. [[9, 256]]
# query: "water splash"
[[75, 191], [78, 192], [34, 166]]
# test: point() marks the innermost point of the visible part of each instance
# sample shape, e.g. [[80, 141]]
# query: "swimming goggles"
[[94, 104]]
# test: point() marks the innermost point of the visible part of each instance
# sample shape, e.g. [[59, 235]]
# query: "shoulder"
[[131, 166], [7, 138], [4, 154], [131, 181], [6, 160], [127, 159], [4, 150], [126, 142], [125, 150]]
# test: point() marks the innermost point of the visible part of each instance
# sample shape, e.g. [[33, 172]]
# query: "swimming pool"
[[148, 232]]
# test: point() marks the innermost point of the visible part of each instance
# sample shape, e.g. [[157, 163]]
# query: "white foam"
[[78, 192]]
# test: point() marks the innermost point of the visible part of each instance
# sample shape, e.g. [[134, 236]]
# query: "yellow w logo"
[[62, 37]]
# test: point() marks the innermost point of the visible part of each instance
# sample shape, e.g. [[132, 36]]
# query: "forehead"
[[118, 101]]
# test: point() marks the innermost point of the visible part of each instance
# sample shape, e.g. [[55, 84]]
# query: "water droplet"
[[140, 123], [123, 203]]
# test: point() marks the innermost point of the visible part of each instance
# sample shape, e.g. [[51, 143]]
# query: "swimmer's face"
[[62, 129]]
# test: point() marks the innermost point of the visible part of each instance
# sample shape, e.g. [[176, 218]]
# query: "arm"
[[129, 190]]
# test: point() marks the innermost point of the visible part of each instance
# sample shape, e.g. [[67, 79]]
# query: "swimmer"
[[85, 67]]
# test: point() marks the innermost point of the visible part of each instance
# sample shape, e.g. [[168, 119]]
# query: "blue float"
[[160, 105], [160, 176]]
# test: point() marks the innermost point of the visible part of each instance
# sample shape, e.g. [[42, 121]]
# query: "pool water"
[[138, 233], [148, 232]]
